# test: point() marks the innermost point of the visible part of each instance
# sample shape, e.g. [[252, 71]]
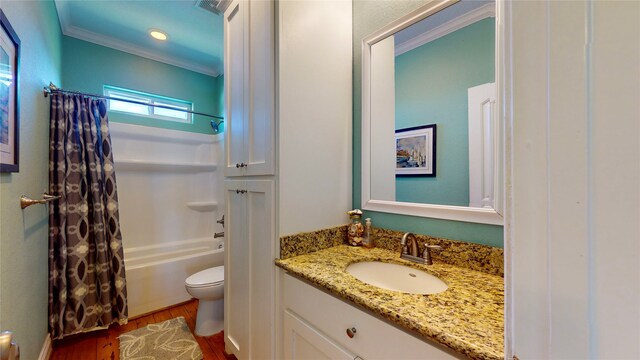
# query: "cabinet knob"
[[237, 165], [351, 332]]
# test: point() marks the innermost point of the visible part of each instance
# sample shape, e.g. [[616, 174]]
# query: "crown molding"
[[483, 12], [99, 39]]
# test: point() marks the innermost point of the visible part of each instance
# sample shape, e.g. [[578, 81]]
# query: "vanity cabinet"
[[306, 342], [249, 81], [249, 293], [318, 325]]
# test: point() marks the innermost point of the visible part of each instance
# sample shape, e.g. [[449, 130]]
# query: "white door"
[[303, 342], [383, 123], [573, 240], [483, 154]]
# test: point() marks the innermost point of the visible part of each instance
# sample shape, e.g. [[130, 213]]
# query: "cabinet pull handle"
[[351, 332], [241, 165], [237, 165], [238, 191]]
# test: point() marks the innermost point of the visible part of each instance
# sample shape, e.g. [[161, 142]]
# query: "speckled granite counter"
[[468, 317]]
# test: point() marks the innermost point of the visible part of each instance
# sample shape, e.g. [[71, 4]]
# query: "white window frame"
[[151, 99]]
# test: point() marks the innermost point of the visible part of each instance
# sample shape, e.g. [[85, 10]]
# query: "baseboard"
[[45, 353]]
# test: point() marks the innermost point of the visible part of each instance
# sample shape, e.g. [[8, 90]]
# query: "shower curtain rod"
[[52, 89]]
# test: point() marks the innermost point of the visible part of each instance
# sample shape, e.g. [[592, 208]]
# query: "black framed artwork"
[[416, 151], [9, 97]]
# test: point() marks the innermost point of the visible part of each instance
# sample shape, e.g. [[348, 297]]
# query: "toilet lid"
[[211, 276]]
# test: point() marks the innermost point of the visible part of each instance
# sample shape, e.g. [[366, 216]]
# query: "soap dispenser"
[[367, 239], [355, 230]]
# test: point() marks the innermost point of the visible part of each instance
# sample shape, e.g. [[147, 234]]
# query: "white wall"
[[314, 105], [573, 240]]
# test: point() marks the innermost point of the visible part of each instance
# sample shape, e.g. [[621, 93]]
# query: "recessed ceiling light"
[[156, 34]]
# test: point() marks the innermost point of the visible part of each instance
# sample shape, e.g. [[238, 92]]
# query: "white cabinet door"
[[249, 269], [237, 285], [259, 135], [235, 84], [250, 88], [304, 342]]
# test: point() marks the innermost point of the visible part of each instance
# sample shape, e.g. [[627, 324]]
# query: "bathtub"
[[156, 273]]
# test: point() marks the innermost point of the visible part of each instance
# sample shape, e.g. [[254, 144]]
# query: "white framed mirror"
[[432, 135]]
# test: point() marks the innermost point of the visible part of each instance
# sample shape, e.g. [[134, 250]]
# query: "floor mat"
[[170, 339]]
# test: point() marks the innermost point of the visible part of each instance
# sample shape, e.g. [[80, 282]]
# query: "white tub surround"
[[168, 192]]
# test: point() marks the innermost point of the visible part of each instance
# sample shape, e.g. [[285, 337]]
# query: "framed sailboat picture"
[[416, 151], [9, 104]]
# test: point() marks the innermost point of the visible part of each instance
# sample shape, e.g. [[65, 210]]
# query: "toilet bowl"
[[208, 287]]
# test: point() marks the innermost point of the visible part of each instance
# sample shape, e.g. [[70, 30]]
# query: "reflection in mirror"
[[435, 73]]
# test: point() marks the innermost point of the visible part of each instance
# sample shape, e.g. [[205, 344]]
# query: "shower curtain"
[[87, 287]]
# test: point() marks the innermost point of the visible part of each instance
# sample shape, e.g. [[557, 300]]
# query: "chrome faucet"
[[409, 245]]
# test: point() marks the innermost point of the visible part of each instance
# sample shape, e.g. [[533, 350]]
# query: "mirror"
[[431, 130]]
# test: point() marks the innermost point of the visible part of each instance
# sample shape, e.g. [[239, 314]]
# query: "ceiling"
[[447, 20], [195, 36]]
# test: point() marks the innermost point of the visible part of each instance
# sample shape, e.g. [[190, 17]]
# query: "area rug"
[[170, 339]]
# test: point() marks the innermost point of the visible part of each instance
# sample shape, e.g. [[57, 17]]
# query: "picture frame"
[[416, 151], [9, 97]]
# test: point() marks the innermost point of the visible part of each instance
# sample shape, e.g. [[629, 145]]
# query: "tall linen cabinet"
[[249, 165], [288, 142]]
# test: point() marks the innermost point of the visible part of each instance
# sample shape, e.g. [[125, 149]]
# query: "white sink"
[[396, 277]]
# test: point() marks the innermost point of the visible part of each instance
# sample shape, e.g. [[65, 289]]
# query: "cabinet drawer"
[[373, 338]]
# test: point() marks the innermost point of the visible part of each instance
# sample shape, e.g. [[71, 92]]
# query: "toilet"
[[208, 287]]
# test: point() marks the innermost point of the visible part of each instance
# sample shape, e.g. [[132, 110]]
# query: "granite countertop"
[[468, 317]]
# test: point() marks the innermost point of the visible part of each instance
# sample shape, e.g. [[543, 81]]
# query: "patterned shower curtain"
[[87, 288]]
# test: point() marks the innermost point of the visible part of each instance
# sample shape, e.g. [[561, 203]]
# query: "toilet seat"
[[208, 277]]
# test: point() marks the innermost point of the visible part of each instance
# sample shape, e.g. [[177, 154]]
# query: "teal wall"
[[24, 233], [88, 67], [369, 16], [431, 88]]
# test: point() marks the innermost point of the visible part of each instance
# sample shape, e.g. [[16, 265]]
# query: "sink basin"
[[396, 277]]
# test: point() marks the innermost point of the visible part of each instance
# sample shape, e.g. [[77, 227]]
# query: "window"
[[143, 105]]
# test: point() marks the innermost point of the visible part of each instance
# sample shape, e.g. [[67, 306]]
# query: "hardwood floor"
[[103, 344]]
